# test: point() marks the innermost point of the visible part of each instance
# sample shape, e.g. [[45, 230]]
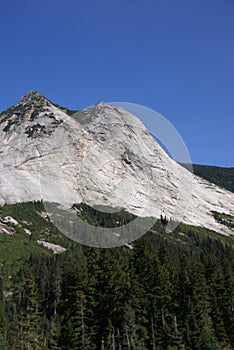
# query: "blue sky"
[[174, 56]]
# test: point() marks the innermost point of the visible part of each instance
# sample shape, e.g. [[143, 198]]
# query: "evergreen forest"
[[167, 290]]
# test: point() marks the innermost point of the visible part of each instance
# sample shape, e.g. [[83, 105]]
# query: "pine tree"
[[208, 341], [130, 332], [74, 331], [32, 337], [3, 320]]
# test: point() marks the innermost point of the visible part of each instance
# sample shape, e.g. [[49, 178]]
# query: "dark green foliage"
[[57, 122], [33, 105], [16, 109], [64, 109], [172, 291], [100, 218], [223, 177], [34, 129], [9, 124], [224, 219], [125, 158]]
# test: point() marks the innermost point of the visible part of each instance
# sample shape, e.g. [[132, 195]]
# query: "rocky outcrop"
[[102, 155]]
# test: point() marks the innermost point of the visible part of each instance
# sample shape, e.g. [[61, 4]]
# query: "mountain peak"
[[32, 97], [103, 156], [100, 103]]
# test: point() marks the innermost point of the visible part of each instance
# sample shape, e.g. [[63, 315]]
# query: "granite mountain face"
[[104, 156]]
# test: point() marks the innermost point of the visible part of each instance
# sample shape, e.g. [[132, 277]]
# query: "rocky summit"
[[101, 155]]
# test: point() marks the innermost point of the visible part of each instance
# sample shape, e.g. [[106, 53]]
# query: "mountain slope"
[[186, 275], [223, 177], [102, 155]]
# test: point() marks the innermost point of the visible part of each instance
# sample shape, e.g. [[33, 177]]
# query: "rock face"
[[57, 249], [102, 155]]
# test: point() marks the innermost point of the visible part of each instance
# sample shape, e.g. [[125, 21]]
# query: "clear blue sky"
[[174, 56]]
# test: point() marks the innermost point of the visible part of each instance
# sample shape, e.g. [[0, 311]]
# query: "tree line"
[[163, 294]]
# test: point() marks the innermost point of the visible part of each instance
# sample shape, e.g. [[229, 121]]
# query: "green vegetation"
[[174, 290], [224, 219], [9, 124], [124, 157], [35, 129], [102, 218], [223, 177], [57, 122], [64, 109], [16, 109]]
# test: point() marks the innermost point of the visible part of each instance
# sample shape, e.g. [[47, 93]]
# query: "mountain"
[[166, 290], [102, 156], [223, 177]]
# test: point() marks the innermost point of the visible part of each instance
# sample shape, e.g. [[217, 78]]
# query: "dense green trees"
[[173, 291], [223, 177]]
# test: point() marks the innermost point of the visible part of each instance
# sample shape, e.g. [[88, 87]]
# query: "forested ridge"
[[223, 177], [171, 291]]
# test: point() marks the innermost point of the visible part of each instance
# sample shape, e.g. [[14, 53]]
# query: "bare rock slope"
[[102, 155]]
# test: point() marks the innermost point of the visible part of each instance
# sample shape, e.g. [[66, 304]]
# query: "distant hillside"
[[223, 177]]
